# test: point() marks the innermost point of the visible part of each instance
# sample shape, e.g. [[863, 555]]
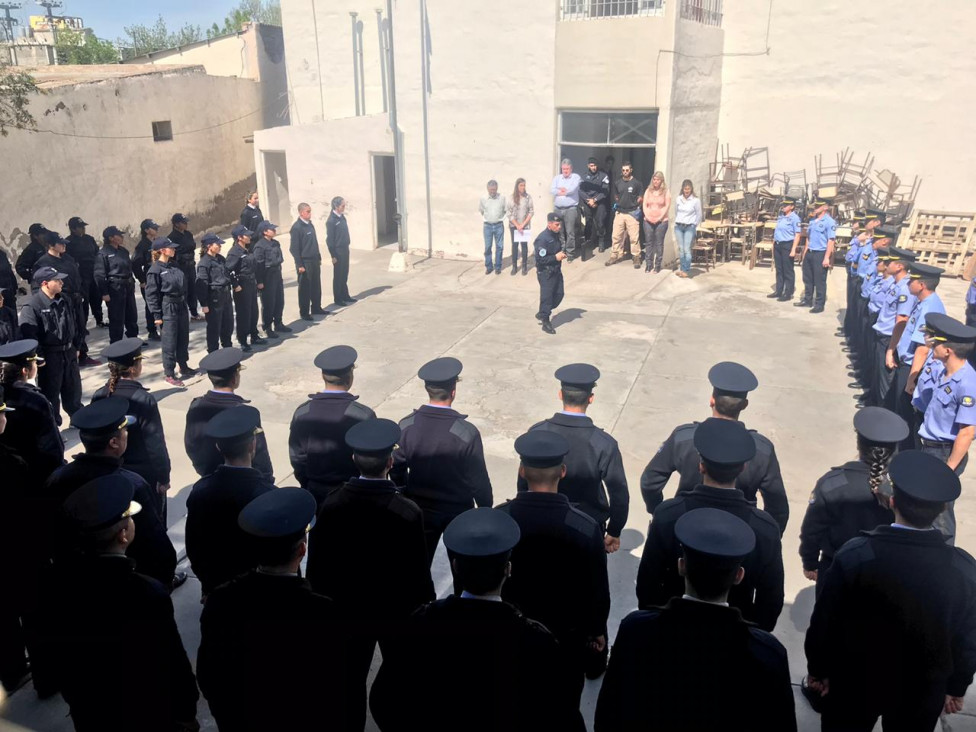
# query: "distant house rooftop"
[[52, 77]]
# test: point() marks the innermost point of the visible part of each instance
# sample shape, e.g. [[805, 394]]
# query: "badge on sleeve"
[[968, 401], [542, 252], [813, 497], [865, 257], [903, 298]]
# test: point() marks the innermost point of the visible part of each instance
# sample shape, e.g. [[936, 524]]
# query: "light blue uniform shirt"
[[820, 232], [853, 252], [867, 284], [787, 227], [953, 405], [913, 337], [971, 293], [878, 292], [932, 371], [895, 298], [868, 261]]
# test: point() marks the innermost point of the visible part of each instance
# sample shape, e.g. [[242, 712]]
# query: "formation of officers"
[[179, 280]]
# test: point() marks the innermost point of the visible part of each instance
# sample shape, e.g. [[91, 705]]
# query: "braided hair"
[[11, 373], [116, 372], [877, 455]]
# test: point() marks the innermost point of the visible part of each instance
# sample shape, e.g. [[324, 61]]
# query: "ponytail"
[[116, 372], [157, 253], [877, 455], [11, 373]]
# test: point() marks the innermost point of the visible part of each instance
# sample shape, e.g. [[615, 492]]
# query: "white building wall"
[[892, 78]]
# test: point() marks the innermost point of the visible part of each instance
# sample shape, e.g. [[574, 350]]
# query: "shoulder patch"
[[579, 521], [358, 411], [685, 432], [763, 444], [302, 411], [407, 421], [967, 401], [600, 439], [903, 298], [464, 430], [403, 507]]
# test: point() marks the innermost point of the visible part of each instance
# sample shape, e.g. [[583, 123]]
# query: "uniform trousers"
[[13, 655], [220, 320], [654, 235], [570, 216], [246, 307], [882, 375], [123, 317], [971, 315], [310, 287], [272, 298], [625, 226], [908, 715], [550, 291], [946, 521], [150, 322], [814, 278], [340, 276], [901, 403], [189, 269], [60, 380], [80, 311], [92, 300], [175, 336], [596, 225], [852, 280], [785, 273]]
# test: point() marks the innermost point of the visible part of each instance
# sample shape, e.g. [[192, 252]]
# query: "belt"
[[566, 207], [168, 298], [934, 443]]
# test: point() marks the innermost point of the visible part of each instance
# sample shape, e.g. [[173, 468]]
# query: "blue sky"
[[107, 17]]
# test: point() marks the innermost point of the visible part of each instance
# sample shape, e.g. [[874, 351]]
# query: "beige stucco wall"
[[892, 78], [102, 174], [225, 56]]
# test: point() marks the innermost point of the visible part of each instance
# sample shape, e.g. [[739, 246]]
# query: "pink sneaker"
[[173, 381]]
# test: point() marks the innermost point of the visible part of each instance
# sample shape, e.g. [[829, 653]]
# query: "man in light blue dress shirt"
[[565, 189]]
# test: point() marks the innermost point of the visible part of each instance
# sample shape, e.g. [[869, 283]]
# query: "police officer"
[[895, 307], [267, 273], [851, 260], [595, 481], [457, 653], [35, 248], [251, 216], [185, 251], [49, 319], [95, 601], [747, 677], [269, 620], [32, 430], [731, 383], [83, 249], [786, 238], [818, 257], [103, 428], [851, 498], [240, 269], [894, 633], [8, 285], [213, 290], [217, 548], [872, 293], [304, 249], [223, 368], [115, 284], [166, 293], [440, 459], [377, 583], [9, 329], [561, 579], [337, 240], [141, 262], [316, 441], [910, 352], [594, 197], [549, 255], [725, 446]]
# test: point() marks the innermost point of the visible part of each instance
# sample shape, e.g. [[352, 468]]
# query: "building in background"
[[35, 45]]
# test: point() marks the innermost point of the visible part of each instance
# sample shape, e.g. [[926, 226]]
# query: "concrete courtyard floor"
[[653, 336]]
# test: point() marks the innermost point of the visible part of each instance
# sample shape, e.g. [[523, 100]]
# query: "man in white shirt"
[[565, 188]]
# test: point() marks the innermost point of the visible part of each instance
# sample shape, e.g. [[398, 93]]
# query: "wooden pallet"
[[941, 238]]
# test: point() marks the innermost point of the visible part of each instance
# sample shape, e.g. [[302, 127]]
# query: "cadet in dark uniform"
[[166, 293], [304, 249], [251, 216], [848, 499], [35, 249], [114, 283], [240, 268], [337, 240], [594, 467], [103, 430], [217, 548], [8, 286], [186, 249], [594, 199], [725, 447], [9, 329], [561, 579], [141, 262], [474, 657], [894, 631], [440, 459], [147, 682], [32, 431], [549, 255], [712, 653], [258, 626], [213, 289], [83, 249], [376, 581], [731, 384], [267, 273], [223, 368], [317, 438], [48, 318], [146, 453]]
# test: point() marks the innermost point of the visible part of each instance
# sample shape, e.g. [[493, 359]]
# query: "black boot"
[[547, 327], [525, 265]]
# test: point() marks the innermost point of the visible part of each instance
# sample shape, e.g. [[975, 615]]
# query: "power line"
[[139, 137], [9, 21]]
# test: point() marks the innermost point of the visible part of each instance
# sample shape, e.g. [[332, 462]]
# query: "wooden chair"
[[703, 249]]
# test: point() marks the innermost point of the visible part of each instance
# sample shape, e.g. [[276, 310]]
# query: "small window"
[[162, 131]]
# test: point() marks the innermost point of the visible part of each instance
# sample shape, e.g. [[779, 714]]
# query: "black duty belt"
[[935, 443]]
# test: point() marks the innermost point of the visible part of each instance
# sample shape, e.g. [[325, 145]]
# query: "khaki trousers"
[[624, 223]]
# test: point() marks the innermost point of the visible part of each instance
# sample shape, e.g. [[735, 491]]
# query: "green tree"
[[74, 47], [143, 39], [248, 11], [16, 89]]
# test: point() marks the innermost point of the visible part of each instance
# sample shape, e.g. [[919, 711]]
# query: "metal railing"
[[706, 12], [586, 9]]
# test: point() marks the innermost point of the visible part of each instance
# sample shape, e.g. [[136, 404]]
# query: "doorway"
[[384, 199], [276, 201]]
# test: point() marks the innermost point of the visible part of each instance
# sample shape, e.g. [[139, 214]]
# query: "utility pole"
[[9, 21], [50, 4]]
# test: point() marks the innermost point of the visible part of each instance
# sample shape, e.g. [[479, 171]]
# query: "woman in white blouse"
[[520, 211], [687, 216]]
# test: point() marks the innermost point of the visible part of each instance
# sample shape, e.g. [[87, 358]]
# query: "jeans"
[[685, 234], [494, 232], [654, 243]]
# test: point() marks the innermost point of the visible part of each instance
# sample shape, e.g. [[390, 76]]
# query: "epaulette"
[[464, 430]]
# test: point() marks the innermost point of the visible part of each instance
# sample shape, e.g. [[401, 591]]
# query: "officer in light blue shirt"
[[851, 260], [949, 424], [971, 303], [911, 350], [931, 373], [818, 257], [896, 297], [862, 343], [786, 237]]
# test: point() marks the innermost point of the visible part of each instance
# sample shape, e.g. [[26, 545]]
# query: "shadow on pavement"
[[567, 316]]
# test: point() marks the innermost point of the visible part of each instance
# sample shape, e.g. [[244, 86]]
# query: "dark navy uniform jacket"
[[761, 475], [304, 246], [164, 286], [212, 278], [65, 264], [336, 233], [268, 259], [240, 265], [203, 452], [547, 245], [113, 269], [146, 453], [440, 460], [52, 323], [594, 468], [142, 259], [251, 217], [83, 249], [186, 247], [32, 433], [25, 265]]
